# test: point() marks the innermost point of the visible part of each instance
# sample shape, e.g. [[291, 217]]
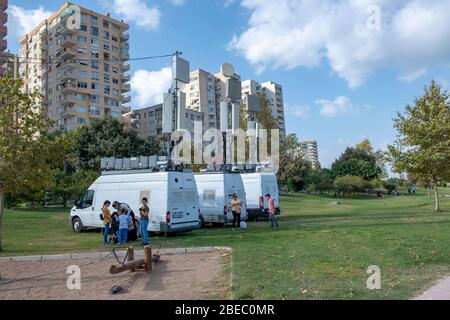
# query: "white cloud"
[[139, 12], [148, 87], [412, 75], [340, 105], [298, 111], [288, 34], [22, 21]]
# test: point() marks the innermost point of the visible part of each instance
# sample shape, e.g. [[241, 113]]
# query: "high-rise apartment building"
[[201, 96], [310, 152], [273, 93], [81, 70], [3, 34], [204, 93]]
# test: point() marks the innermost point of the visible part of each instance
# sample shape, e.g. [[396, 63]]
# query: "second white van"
[[215, 190]]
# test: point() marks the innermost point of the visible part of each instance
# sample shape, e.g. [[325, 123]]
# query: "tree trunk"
[[1, 218], [436, 197]]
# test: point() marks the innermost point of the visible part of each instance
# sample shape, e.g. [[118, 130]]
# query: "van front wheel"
[[77, 225]]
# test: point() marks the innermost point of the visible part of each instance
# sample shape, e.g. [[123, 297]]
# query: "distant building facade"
[[273, 93], [310, 152]]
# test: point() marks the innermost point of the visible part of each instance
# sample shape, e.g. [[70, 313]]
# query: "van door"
[[176, 199], [85, 208]]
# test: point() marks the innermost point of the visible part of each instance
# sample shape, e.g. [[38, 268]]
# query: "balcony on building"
[[69, 64], [68, 41], [94, 113], [3, 17], [68, 76], [67, 113], [126, 78], [69, 88], [68, 53], [3, 45], [126, 87], [124, 55], [124, 37], [125, 67], [126, 99], [3, 4], [68, 100], [3, 31]]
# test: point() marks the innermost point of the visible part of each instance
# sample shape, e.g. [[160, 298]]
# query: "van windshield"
[[86, 200]]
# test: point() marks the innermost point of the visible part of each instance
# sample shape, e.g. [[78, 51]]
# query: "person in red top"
[[273, 219]]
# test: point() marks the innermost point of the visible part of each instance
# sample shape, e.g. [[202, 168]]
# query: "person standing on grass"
[[273, 219], [124, 220], [107, 220], [144, 215], [236, 208]]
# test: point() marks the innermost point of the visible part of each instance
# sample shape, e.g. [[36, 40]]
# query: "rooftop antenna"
[[180, 73], [230, 106]]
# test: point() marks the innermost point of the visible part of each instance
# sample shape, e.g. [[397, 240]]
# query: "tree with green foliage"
[[105, 138], [319, 181], [349, 185], [71, 186], [23, 150], [293, 168], [422, 147], [357, 161]]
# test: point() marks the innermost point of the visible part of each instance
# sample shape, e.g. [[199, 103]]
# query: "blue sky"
[[345, 69]]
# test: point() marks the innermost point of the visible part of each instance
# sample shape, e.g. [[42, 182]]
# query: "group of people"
[[121, 226], [236, 209]]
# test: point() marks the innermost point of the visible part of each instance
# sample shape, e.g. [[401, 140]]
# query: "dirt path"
[[186, 276], [441, 291]]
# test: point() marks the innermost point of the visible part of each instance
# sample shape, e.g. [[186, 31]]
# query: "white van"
[[215, 190], [172, 200], [257, 185]]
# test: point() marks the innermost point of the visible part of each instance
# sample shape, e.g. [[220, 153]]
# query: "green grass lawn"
[[321, 251]]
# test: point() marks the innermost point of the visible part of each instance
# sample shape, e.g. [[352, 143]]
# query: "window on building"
[[83, 28], [82, 39], [82, 74], [81, 121], [106, 46], [94, 42], [95, 98], [81, 109], [105, 35], [82, 85], [95, 75], [105, 24], [95, 87], [115, 81], [106, 79], [94, 65], [94, 20], [94, 31], [107, 90], [116, 92], [95, 54], [106, 67]]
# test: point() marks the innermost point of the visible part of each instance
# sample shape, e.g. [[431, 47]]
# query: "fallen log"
[[130, 265]]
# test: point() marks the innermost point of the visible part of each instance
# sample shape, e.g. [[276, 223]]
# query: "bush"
[[389, 186], [349, 185]]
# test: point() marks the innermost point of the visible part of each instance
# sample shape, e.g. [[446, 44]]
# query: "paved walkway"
[[440, 291]]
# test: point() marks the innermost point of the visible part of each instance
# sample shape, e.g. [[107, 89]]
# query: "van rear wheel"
[[77, 225]]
